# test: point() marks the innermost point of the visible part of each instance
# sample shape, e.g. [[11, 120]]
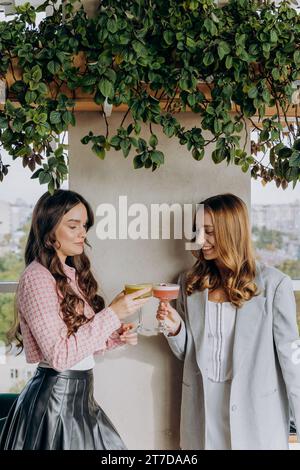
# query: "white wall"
[[140, 387]]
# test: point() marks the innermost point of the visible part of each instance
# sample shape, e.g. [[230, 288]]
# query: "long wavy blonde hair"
[[234, 251]]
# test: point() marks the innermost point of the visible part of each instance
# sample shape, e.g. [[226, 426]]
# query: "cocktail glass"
[[129, 289], [165, 293]]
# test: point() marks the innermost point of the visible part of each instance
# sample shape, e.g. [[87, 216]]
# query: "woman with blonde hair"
[[235, 328]]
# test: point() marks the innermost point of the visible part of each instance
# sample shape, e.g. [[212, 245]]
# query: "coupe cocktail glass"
[[165, 293], [129, 289]]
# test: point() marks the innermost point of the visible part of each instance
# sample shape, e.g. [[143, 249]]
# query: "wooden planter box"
[[85, 102]]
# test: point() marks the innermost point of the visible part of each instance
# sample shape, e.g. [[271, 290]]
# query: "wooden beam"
[[85, 102]]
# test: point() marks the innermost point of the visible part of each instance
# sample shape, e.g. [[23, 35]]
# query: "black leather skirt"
[[57, 410]]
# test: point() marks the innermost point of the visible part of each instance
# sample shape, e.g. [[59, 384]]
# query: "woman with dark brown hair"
[[235, 328], [62, 322]]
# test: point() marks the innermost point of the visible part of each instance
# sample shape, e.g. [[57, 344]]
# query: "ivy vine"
[[228, 65]]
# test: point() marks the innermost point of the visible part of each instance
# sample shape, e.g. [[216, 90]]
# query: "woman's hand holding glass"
[[127, 335], [170, 318], [125, 305]]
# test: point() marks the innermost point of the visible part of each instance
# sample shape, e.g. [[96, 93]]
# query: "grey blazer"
[[266, 376]]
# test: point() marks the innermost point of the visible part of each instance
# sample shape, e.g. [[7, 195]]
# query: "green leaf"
[[217, 126], [42, 118], [273, 36], [44, 177], [99, 99], [85, 140], [67, 117], [239, 126], [266, 96], [240, 40], [184, 84], [157, 157], [153, 141], [276, 74], [137, 162], [88, 80], [142, 145], [30, 131], [18, 125], [228, 62], [53, 67], [190, 42], [36, 174], [105, 58], [264, 135], [148, 163], [58, 152], [284, 152], [9, 108], [62, 56], [111, 75], [99, 151], [297, 57], [129, 129], [294, 160], [55, 117], [191, 99], [62, 168], [223, 49], [180, 36], [36, 73], [112, 25], [228, 128], [18, 86], [72, 119], [3, 122], [218, 155], [168, 37], [210, 27], [125, 146], [30, 96], [296, 144], [253, 92], [139, 48], [208, 58], [42, 88], [106, 88], [169, 130], [137, 127], [115, 141], [198, 154]]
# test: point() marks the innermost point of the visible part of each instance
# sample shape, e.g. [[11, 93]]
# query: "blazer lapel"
[[248, 321], [197, 306]]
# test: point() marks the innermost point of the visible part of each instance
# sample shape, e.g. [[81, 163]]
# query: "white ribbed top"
[[221, 325]]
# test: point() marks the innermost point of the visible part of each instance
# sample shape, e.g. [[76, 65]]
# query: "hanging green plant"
[[228, 65]]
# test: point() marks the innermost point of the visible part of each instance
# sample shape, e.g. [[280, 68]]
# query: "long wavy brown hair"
[[46, 217], [234, 251]]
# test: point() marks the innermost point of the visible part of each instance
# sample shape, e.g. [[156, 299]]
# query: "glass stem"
[[140, 319]]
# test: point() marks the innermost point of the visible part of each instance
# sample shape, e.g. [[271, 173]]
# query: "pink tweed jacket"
[[43, 329]]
